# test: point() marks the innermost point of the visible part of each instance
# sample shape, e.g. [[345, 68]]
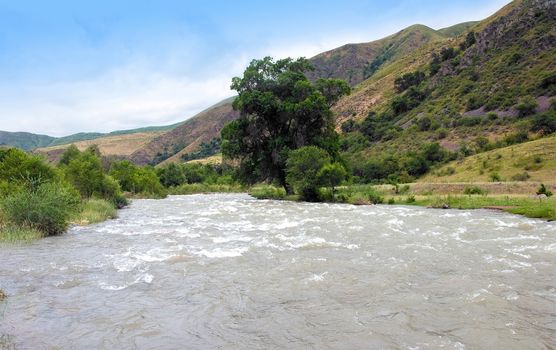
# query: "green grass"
[[94, 211], [12, 233], [526, 206], [267, 192], [521, 204], [205, 188]]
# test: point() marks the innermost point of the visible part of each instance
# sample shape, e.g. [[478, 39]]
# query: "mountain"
[[29, 141], [472, 89], [185, 138], [473, 78], [357, 62], [24, 140], [352, 62]]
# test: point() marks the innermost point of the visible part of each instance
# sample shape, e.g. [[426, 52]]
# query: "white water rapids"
[[231, 272]]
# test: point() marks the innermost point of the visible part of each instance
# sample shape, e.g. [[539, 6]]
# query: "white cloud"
[[129, 97]]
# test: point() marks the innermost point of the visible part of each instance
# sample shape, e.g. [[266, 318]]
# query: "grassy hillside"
[[117, 145], [357, 62], [188, 136], [457, 29], [468, 88], [530, 161]]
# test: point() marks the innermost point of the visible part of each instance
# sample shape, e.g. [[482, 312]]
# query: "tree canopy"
[[280, 110]]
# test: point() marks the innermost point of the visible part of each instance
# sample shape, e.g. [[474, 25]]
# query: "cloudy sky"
[[103, 65]]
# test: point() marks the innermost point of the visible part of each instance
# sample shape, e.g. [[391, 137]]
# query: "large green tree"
[[280, 110]]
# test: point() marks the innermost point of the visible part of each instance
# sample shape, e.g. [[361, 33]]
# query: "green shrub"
[[391, 201], [48, 208], [95, 210], [408, 80], [86, 173], [474, 190], [22, 169], [544, 123], [518, 137], [268, 192], [469, 121], [332, 175], [441, 133], [374, 197], [492, 116], [543, 190], [302, 168], [495, 177], [410, 199], [526, 106]]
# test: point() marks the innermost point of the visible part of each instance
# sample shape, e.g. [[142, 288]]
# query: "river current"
[[226, 271]]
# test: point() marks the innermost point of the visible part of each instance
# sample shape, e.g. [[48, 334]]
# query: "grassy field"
[[531, 161]]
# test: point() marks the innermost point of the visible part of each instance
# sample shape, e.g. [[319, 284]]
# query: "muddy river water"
[[226, 271]]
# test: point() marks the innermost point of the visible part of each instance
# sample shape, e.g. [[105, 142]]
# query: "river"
[[231, 272]]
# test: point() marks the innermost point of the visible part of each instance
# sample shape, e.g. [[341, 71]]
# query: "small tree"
[[331, 175], [302, 169], [171, 175], [70, 153], [543, 190]]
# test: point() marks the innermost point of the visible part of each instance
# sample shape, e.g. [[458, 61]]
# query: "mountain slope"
[[352, 62], [121, 145], [203, 127], [457, 29], [356, 62], [533, 161], [514, 52]]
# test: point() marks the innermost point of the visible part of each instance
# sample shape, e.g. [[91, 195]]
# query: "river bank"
[[516, 198], [92, 211]]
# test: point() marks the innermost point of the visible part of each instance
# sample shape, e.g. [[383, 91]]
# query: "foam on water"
[[228, 271]]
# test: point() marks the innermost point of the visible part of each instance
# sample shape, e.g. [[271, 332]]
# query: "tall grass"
[[205, 188], [12, 233], [94, 211], [46, 209], [267, 192]]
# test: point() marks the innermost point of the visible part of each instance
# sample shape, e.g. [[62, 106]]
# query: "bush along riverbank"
[[39, 200]]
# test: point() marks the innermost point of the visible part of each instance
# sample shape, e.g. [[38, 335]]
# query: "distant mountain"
[[24, 140], [29, 141]]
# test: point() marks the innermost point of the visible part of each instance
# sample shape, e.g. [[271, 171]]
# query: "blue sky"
[[72, 66]]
